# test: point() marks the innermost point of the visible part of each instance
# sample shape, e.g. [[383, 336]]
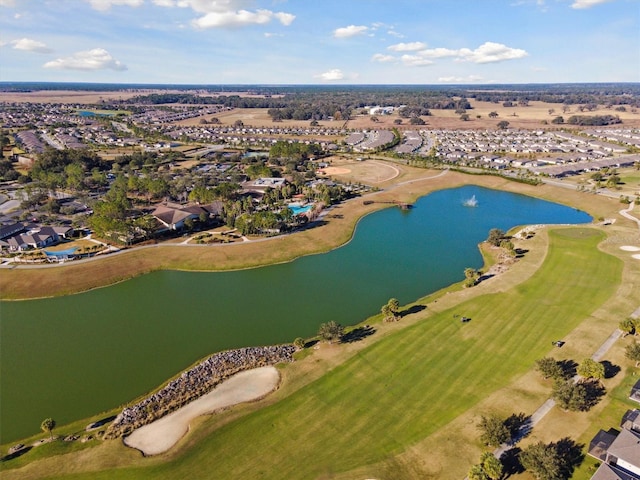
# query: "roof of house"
[[172, 214], [630, 419], [12, 229], [611, 472], [600, 444], [635, 392], [626, 447]]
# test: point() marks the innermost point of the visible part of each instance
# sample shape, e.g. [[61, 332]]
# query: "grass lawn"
[[394, 394]]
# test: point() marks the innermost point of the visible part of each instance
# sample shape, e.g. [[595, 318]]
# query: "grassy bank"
[[334, 230], [392, 409]]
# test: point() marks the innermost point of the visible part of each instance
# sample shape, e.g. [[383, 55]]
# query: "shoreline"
[[18, 284], [164, 433]]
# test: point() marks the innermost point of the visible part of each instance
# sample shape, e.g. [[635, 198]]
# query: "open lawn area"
[[403, 403]]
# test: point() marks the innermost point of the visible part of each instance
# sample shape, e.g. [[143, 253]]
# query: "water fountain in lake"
[[471, 202]]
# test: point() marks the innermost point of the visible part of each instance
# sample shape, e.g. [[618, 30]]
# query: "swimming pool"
[[61, 253], [297, 209]]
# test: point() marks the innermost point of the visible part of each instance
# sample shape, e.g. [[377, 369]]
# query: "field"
[[403, 403], [531, 117]]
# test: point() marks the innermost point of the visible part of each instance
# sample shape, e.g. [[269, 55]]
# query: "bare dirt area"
[[68, 96], [369, 172], [529, 117]]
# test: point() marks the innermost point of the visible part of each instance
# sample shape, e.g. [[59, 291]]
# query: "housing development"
[[519, 362]]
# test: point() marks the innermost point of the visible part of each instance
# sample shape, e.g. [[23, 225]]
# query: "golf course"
[[404, 402]]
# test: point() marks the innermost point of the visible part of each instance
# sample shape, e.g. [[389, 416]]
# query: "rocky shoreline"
[[194, 383]]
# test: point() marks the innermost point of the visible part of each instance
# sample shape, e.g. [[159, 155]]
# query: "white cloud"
[[238, 18], [380, 57], [582, 4], [104, 5], [490, 52], [469, 79], [350, 31], [331, 75], [415, 61], [407, 47], [227, 13], [7, 3], [96, 59], [271, 34], [439, 53], [30, 45], [393, 33]]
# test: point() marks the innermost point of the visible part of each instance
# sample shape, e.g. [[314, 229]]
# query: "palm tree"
[[330, 331], [47, 425]]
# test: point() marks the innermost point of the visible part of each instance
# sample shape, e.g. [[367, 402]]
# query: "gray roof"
[[626, 447], [611, 472]]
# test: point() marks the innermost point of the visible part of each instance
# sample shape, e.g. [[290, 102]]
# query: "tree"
[[299, 343], [476, 472], [629, 326], [330, 331], [495, 236], [558, 120], [390, 310], [503, 125], [543, 461], [464, 117], [589, 368], [571, 396], [493, 114], [632, 352], [549, 368], [494, 431], [491, 465], [47, 425], [471, 275]]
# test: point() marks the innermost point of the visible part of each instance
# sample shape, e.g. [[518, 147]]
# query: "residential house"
[[619, 452]]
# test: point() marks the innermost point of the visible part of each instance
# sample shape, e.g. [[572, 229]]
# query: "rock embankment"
[[194, 383]]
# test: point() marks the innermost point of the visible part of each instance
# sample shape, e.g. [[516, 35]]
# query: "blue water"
[[74, 356], [87, 113], [297, 209], [61, 253]]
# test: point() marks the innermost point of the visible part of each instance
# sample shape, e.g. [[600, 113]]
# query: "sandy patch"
[[629, 248], [335, 171], [161, 435], [636, 256]]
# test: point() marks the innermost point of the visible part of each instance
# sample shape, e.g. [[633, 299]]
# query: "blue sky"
[[320, 41]]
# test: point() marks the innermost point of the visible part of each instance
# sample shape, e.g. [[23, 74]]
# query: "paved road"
[[625, 213]]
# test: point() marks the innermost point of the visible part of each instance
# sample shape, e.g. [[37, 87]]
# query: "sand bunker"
[[335, 171], [629, 248], [164, 433], [636, 256]]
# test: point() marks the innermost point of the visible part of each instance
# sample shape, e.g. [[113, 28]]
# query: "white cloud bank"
[[582, 4], [382, 58], [350, 31], [407, 47], [30, 45], [96, 59], [331, 75], [488, 52], [105, 5], [226, 13]]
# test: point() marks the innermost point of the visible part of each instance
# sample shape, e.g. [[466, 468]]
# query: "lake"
[[75, 356]]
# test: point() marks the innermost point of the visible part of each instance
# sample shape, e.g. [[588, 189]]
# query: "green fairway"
[[409, 384]]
